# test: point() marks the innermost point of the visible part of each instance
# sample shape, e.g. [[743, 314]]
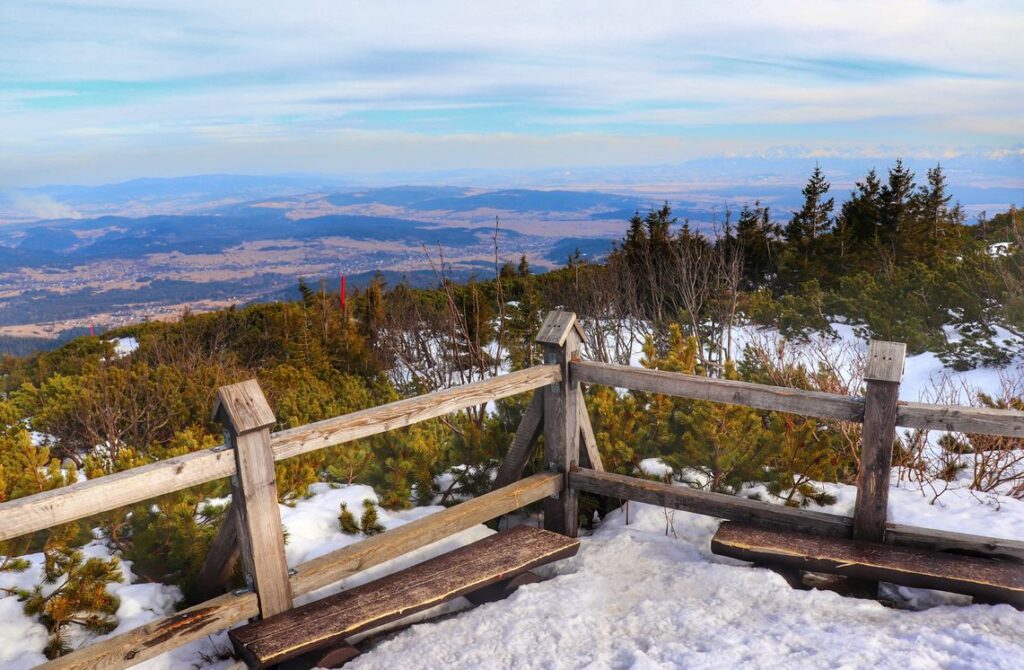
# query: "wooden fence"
[[254, 531]]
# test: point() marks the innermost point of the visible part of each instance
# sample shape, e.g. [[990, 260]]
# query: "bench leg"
[[332, 657], [793, 576], [501, 590]]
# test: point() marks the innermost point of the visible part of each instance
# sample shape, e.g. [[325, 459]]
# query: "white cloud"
[[231, 76]]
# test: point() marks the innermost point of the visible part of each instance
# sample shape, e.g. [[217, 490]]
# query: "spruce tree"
[[757, 238], [804, 232], [859, 222], [896, 210]]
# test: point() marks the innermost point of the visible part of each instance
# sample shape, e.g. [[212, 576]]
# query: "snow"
[[636, 597], [313, 530], [124, 346], [22, 641], [655, 468], [644, 595], [648, 594]]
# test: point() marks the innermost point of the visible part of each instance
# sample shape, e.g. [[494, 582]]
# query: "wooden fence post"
[[561, 335], [221, 558], [882, 375], [247, 418]]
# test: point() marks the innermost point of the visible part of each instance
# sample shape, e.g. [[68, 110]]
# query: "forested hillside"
[[896, 261]]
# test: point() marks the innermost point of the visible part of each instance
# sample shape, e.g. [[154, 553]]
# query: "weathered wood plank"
[[427, 584], [58, 506], [523, 442], [561, 429], [160, 636], [374, 550], [956, 543], [254, 493], [885, 361], [70, 503], [590, 456], [829, 525], [758, 396], [718, 505], [245, 407], [979, 577], [376, 420], [221, 558], [556, 328], [981, 420], [885, 367]]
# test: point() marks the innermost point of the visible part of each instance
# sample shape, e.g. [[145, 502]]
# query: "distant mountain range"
[[148, 248], [698, 187]]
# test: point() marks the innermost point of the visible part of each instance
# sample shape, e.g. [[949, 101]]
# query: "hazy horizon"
[[99, 91]]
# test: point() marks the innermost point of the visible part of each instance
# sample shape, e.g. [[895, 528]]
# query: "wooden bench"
[[328, 622], [986, 579]]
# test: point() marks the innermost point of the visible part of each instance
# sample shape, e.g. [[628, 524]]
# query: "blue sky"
[[105, 90]]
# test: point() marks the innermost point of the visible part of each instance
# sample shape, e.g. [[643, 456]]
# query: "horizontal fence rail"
[[759, 396], [980, 420], [206, 618], [733, 508], [70, 503], [59, 506]]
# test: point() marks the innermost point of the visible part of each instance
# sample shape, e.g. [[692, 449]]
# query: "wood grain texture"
[[523, 443], [332, 619], [258, 519], [758, 396], [377, 549], [718, 505], [979, 577], [556, 328], [950, 542], [160, 636], [871, 508], [244, 406], [776, 516], [562, 435], [590, 456], [885, 361], [221, 558], [69, 503], [58, 506], [980, 420], [206, 618], [376, 420]]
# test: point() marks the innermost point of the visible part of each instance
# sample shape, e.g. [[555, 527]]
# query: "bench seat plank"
[[988, 579], [332, 619]]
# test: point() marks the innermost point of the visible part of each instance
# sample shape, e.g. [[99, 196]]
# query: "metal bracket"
[[241, 591]]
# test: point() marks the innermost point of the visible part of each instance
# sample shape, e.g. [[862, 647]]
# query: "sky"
[[102, 90]]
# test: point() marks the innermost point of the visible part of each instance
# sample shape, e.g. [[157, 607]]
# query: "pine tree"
[[347, 520], [369, 522], [80, 597]]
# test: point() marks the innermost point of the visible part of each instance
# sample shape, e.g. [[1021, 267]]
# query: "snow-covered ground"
[[636, 597], [644, 595], [313, 530]]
